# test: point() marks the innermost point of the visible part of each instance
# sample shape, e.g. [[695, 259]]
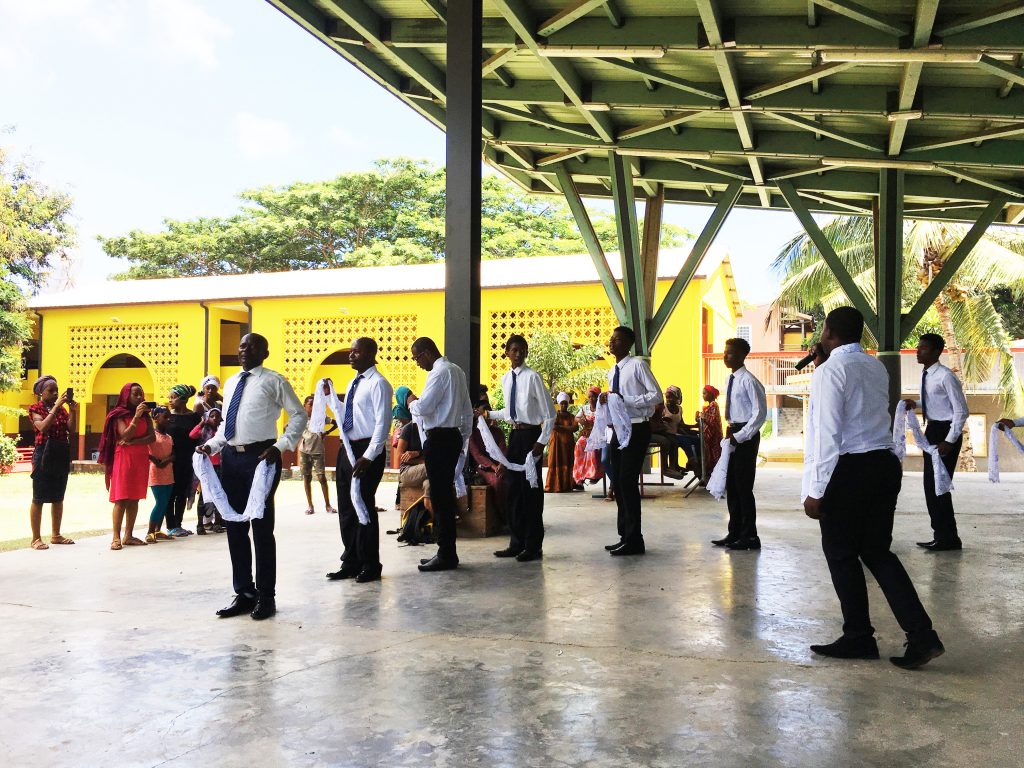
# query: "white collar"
[[623, 361], [934, 366], [847, 349]]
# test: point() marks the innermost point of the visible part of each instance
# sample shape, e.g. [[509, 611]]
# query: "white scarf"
[[213, 491], [993, 450], [716, 483], [610, 416], [317, 420], [904, 419], [529, 468]]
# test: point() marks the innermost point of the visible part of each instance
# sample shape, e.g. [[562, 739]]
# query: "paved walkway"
[[689, 656]]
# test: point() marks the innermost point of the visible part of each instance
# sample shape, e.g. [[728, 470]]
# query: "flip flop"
[[115, 544], [134, 542], [58, 539], [309, 510], [39, 544]]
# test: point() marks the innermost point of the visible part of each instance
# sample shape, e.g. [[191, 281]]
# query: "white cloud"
[[182, 30], [263, 137]]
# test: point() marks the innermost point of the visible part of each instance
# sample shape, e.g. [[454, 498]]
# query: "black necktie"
[[512, 397], [924, 398], [615, 380], [236, 401], [349, 421], [728, 397]]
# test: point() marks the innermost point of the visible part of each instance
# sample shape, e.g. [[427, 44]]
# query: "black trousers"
[[440, 455], [940, 508], [525, 505], [626, 467], [180, 493], [362, 542], [856, 527], [237, 472], [739, 490]]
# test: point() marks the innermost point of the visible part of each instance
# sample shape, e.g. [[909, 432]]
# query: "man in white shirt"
[[631, 378], [444, 413], [745, 411], [529, 410], [254, 399], [852, 479], [365, 421], [944, 407]]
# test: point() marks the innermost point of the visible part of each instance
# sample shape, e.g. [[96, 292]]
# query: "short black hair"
[[309, 399], [426, 344], [516, 338], [370, 344], [847, 323], [626, 331], [933, 340], [741, 344]]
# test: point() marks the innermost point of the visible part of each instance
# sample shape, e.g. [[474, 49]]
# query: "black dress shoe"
[[723, 542], [508, 552], [344, 573], [525, 557], [946, 546], [437, 564], [241, 604], [739, 544], [616, 545], [926, 544], [265, 608], [849, 648], [919, 652], [366, 575], [628, 549]]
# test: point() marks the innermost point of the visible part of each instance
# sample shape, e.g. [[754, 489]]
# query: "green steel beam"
[[586, 228], [438, 8], [814, 73], [1008, 71], [953, 263], [575, 10], [629, 249], [924, 22], [824, 130], [1001, 132], [888, 228], [982, 18], [540, 120], [611, 10], [998, 186], [865, 16], [697, 252], [650, 246], [828, 254], [658, 125], [679, 83]]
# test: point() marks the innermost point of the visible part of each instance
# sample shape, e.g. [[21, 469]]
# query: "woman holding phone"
[[124, 452], [51, 459]]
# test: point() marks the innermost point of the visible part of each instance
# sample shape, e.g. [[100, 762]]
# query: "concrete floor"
[[689, 656]]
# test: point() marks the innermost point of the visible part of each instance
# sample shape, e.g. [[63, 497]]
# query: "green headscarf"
[[401, 410]]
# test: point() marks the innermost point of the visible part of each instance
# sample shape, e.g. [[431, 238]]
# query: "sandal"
[[58, 539], [160, 536], [115, 544], [151, 538], [309, 510], [39, 544], [331, 510], [132, 541]]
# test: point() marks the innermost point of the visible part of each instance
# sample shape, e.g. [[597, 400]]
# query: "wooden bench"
[[477, 513]]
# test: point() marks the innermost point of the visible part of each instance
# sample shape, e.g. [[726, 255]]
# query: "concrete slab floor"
[[688, 656]]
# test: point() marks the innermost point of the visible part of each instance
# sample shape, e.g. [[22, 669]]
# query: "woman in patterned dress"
[[51, 459]]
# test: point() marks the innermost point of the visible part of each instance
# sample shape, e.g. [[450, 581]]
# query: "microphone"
[[804, 362]]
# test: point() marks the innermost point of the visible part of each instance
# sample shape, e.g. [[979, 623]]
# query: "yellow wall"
[[303, 332]]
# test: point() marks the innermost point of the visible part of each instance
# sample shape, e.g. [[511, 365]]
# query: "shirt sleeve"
[[433, 392], [652, 392], [955, 392], [754, 424], [826, 423], [297, 418], [501, 414], [381, 399], [1019, 422], [547, 426]]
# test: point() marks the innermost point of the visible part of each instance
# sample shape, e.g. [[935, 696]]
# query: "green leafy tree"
[[565, 366], [963, 313], [392, 214]]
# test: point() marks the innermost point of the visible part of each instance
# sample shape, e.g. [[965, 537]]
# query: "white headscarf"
[[563, 397]]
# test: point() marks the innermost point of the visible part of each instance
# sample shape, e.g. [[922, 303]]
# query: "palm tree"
[[963, 313]]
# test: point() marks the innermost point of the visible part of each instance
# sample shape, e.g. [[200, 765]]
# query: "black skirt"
[[51, 464]]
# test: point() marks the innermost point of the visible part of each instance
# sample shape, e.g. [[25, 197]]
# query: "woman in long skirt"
[[51, 459], [560, 449]]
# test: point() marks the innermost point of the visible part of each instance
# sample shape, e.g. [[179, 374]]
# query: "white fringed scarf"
[[716, 483], [213, 491], [904, 419], [610, 417], [317, 421], [993, 450], [529, 468]]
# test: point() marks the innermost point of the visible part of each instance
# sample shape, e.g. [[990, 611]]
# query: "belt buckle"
[[239, 448]]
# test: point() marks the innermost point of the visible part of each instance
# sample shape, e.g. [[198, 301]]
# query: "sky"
[[150, 109]]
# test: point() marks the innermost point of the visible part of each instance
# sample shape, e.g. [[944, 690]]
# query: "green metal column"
[[888, 220], [629, 250]]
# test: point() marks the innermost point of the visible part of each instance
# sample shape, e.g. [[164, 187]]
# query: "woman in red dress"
[[587, 464], [712, 428], [124, 452]]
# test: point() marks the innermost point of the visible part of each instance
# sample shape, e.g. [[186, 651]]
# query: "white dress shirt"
[[638, 387], [1019, 422], [444, 401], [533, 401], [371, 411], [944, 399], [266, 394], [746, 404], [849, 413]]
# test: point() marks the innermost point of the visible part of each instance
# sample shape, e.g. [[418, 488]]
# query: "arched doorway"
[[110, 377]]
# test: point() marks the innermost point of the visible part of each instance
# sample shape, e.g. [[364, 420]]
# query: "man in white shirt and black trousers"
[[852, 479], [444, 412], [254, 399], [529, 409], [746, 409], [944, 407], [366, 420], [631, 378]]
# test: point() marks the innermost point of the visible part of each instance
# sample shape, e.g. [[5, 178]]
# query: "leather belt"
[[260, 446], [441, 429], [518, 425], [737, 424]]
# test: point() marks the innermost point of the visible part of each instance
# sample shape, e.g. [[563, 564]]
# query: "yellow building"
[[163, 332]]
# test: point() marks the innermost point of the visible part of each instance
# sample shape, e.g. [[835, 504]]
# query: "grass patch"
[[24, 542]]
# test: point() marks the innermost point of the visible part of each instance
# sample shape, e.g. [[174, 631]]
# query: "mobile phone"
[[151, 404], [69, 395]]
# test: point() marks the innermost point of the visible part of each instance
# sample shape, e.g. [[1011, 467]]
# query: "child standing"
[[161, 475], [202, 432], [311, 460]]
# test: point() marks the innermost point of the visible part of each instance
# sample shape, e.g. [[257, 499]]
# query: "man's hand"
[[204, 449], [602, 398], [820, 356], [812, 508], [1005, 424], [480, 412], [272, 455], [910, 404], [944, 448], [361, 465], [499, 471], [733, 440], [538, 449]]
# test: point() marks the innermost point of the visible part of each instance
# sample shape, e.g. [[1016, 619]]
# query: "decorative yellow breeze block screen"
[[155, 344], [309, 340], [584, 325]]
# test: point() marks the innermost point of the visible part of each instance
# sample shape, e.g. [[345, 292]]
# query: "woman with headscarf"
[[208, 397], [587, 464], [665, 427], [690, 436], [179, 426], [51, 458], [560, 449], [124, 453]]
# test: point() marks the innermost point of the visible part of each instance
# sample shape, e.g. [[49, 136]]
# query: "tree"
[[34, 231], [963, 313], [565, 366], [392, 214]]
